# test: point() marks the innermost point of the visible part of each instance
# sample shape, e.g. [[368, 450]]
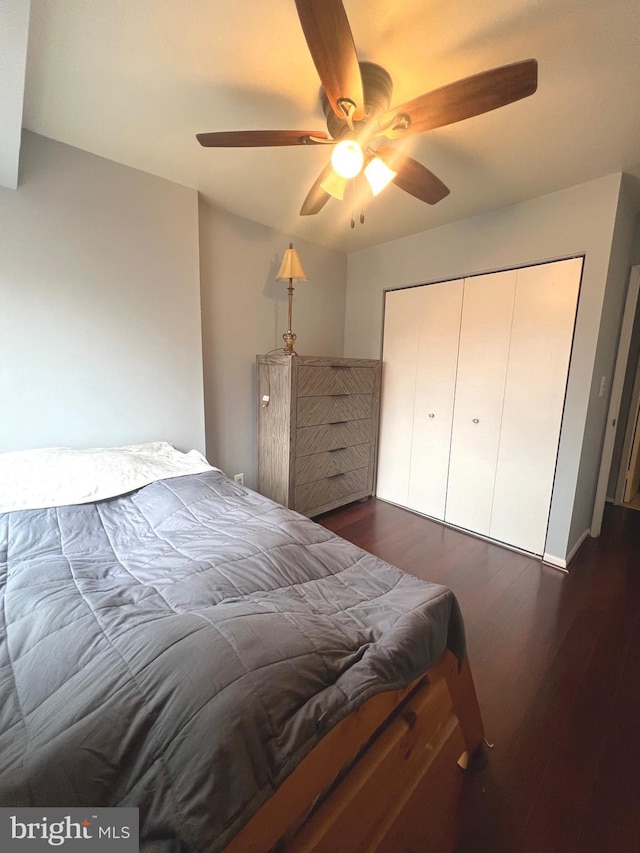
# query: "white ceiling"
[[135, 81]]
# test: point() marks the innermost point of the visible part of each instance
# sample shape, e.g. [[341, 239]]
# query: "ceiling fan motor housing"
[[377, 88]]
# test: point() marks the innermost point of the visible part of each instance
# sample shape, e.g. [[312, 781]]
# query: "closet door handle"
[[431, 415]]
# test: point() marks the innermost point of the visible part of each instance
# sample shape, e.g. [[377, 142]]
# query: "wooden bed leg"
[[476, 761], [465, 705]]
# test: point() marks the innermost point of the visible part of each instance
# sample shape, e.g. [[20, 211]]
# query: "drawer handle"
[[476, 420], [339, 395], [334, 476], [333, 423], [336, 449]]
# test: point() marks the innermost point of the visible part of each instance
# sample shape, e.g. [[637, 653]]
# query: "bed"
[[248, 680]]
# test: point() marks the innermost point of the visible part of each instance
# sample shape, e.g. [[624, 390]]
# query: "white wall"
[[99, 305], [14, 35], [629, 380], [604, 361], [244, 313], [570, 222]]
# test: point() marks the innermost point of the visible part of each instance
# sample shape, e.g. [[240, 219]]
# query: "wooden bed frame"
[[386, 778]]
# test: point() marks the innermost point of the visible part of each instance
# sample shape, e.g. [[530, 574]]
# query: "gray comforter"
[[181, 648]]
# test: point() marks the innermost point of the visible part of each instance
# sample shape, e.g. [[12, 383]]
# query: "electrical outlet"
[[239, 478]]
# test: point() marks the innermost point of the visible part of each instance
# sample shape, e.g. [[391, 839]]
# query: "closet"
[[474, 379]]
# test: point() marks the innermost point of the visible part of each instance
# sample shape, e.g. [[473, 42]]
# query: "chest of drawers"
[[317, 431]]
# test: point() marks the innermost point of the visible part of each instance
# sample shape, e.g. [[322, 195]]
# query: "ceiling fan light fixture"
[[378, 175], [347, 158], [356, 99], [334, 184]]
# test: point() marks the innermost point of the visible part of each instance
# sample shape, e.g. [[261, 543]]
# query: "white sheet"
[[59, 476]]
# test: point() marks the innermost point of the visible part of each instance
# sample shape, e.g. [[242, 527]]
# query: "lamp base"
[[289, 339]]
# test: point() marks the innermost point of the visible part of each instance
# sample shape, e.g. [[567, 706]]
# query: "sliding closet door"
[[543, 321], [399, 354], [482, 369], [440, 311]]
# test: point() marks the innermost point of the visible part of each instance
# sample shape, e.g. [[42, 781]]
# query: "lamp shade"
[[334, 184], [291, 266], [378, 174]]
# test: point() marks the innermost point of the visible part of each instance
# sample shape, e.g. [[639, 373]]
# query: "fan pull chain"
[[353, 203]]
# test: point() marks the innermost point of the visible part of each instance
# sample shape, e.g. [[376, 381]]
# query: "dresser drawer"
[[316, 439], [316, 381], [332, 462], [322, 492], [335, 409]]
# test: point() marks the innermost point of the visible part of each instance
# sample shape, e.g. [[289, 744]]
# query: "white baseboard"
[[556, 562], [559, 562]]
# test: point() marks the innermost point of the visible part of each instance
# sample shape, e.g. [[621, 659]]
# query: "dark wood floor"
[[556, 663]]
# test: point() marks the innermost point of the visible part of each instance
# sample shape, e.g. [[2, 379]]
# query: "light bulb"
[[347, 158], [378, 175]]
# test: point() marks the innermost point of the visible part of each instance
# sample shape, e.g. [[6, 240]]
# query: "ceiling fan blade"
[[259, 138], [413, 177], [317, 197], [328, 35], [465, 98]]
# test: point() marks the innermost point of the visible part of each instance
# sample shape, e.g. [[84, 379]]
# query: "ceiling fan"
[[355, 99]]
